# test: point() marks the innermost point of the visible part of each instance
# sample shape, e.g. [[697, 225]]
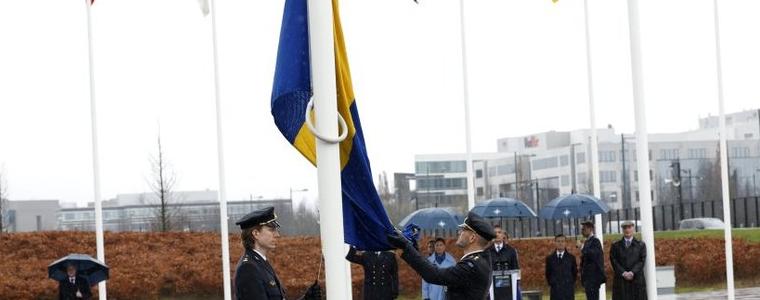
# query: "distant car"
[[701, 223]]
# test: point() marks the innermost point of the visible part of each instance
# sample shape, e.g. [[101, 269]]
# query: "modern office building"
[[31, 215], [196, 215], [684, 166]]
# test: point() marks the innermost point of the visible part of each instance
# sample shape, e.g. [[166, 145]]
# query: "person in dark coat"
[[502, 255], [469, 279], [255, 279], [380, 273], [592, 262], [73, 287], [561, 271], [627, 257]]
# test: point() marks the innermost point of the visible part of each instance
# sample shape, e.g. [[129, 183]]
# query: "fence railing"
[[745, 213]]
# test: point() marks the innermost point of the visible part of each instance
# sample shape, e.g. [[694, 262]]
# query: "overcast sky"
[[153, 65]]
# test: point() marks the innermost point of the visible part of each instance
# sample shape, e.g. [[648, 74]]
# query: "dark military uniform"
[[380, 273], [255, 279], [470, 279]]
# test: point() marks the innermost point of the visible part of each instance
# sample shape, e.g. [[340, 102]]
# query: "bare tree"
[[162, 184], [3, 201]]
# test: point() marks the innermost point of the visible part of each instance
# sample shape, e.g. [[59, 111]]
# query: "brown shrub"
[[148, 265]]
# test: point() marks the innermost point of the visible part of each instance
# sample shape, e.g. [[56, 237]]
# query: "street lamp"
[[754, 184]]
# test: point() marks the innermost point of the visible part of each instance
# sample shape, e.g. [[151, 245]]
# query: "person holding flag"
[[470, 278]]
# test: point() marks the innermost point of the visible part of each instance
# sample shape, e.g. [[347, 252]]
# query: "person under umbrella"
[[74, 286]]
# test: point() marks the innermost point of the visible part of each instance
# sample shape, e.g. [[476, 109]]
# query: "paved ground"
[[744, 294]]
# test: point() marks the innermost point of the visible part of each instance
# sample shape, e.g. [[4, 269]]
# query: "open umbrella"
[[503, 208], [433, 218], [91, 269], [573, 206]]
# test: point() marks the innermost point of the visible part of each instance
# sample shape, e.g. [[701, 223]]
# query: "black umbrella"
[[91, 269]]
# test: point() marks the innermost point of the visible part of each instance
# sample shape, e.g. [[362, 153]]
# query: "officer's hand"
[[314, 292], [398, 241]]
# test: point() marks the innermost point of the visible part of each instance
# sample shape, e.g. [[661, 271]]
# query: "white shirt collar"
[[260, 254], [561, 252], [470, 253], [628, 239]]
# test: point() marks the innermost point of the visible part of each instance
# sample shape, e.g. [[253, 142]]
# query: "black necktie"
[[627, 243], [71, 279]]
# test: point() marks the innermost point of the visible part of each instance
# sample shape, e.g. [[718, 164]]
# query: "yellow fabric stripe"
[[344, 87], [305, 140]]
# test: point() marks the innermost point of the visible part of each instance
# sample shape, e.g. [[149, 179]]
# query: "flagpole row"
[[594, 143], [95, 154], [724, 163], [223, 218], [642, 148], [322, 51]]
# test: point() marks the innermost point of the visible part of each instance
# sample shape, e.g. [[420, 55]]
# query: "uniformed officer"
[[471, 277], [254, 276], [380, 273]]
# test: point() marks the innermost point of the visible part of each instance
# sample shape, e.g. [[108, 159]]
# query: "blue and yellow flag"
[[364, 219]]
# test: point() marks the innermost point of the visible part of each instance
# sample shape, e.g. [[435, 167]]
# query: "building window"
[[739, 152], [563, 160], [607, 156], [505, 169], [424, 167], [478, 173], [666, 154], [580, 158], [565, 180], [698, 153], [479, 191], [545, 163], [607, 176]]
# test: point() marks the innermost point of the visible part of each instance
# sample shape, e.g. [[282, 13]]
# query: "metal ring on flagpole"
[[331, 140]]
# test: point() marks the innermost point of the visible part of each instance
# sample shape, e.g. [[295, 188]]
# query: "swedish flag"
[[364, 219]]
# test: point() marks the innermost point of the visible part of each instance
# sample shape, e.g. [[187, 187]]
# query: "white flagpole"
[[642, 148], [724, 163], [599, 232], [466, 94], [321, 39], [95, 155], [223, 218]]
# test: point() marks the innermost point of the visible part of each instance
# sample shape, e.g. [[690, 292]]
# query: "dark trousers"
[[592, 291]]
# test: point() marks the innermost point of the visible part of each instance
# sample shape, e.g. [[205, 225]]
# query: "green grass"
[[752, 235]]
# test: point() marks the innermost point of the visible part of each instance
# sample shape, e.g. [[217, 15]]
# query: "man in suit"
[[503, 256], [380, 273], [627, 257], [592, 262], [561, 271], [255, 278], [469, 279], [73, 287]]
